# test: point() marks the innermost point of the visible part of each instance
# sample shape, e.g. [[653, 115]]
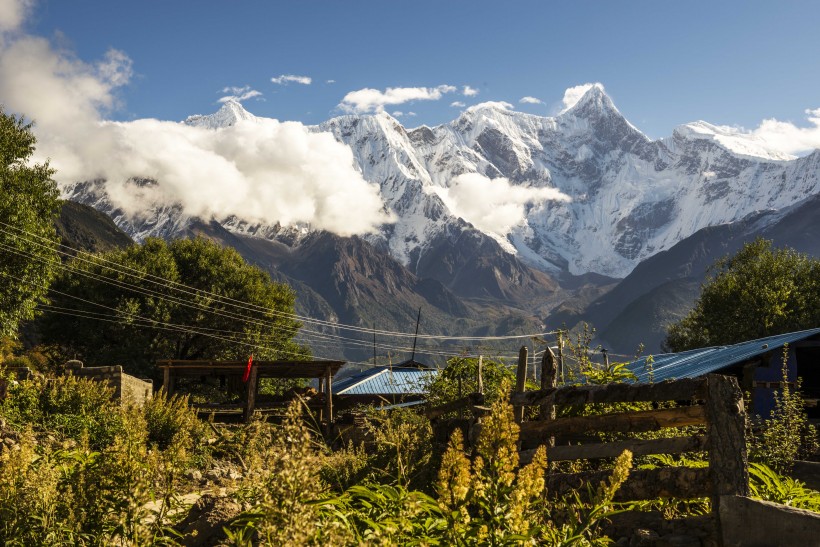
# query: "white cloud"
[[13, 13], [260, 170], [530, 100], [787, 137], [291, 78], [501, 105], [411, 113], [374, 100], [458, 104], [330, 81], [398, 114], [469, 91], [573, 94], [492, 205], [239, 94]]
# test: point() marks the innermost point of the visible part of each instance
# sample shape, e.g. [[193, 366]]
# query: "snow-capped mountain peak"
[[594, 103], [732, 139], [229, 114], [631, 197]]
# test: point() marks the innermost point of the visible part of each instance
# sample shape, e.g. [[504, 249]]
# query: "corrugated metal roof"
[[385, 381], [697, 362]]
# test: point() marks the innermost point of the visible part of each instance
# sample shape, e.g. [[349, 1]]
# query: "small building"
[[126, 388], [247, 376], [757, 364], [385, 385]]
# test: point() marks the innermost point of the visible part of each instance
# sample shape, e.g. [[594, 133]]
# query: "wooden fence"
[[713, 401]]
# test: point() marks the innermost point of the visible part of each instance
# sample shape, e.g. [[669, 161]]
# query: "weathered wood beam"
[[549, 380], [638, 447], [329, 399], [642, 484], [634, 422], [250, 400], [669, 390], [520, 381]]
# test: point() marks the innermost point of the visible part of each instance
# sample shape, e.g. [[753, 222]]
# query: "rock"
[[194, 474], [234, 475], [644, 538], [204, 522]]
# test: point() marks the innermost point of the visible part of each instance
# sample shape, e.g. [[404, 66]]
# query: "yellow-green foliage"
[[84, 471], [282, 482], [493, 502], [402, 447], [69, 406]]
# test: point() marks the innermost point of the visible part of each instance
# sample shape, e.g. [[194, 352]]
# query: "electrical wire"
[[166, 283]]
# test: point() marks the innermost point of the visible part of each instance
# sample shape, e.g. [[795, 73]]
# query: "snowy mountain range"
[[629, 197], [587, 193]]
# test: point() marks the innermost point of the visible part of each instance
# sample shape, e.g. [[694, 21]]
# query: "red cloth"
[[248, 369]]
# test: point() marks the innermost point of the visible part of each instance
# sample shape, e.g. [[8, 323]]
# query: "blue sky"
[[663, 63]]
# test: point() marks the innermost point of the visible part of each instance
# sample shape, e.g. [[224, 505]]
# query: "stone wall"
[[126, 387]]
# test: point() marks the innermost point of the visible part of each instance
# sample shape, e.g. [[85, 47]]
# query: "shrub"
[[170, 420], [402, 441], [787, 435], [73, 407]]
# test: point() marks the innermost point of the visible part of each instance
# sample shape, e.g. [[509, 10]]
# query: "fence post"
[[250, 401], [520, 381], [480, 382], [548, 380], [726, 433]]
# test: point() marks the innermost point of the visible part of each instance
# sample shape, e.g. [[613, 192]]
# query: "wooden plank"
[[726, 421], [638, 447], [329, 399], [520, 381], [473, 399], [669, 390], [634, 422], [480, 379], [642, 484], [166, 381]]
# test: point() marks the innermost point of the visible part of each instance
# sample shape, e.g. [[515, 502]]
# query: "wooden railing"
[[713, 402]]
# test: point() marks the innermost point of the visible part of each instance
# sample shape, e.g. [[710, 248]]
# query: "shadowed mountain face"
[[86, 229], [663, 288]]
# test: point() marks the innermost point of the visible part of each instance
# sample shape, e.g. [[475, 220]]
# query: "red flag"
[[248, 369]]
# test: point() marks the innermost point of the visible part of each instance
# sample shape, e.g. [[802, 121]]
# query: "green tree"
[[190, 299], [444, 387], [29, 203], [760, 291]]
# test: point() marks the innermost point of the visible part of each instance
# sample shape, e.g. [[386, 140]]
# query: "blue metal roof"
[[697, 362], [385, 381]]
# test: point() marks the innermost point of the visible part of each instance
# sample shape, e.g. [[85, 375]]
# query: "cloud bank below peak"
[[261, 170], [492, 205]]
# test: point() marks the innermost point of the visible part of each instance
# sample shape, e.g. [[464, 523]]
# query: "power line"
[[166, 283]]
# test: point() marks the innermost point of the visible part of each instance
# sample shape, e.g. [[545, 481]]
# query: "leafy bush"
[[73, 407], [443, 387], [787, 435], [767, 485], [402, 441], [170, 420]]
